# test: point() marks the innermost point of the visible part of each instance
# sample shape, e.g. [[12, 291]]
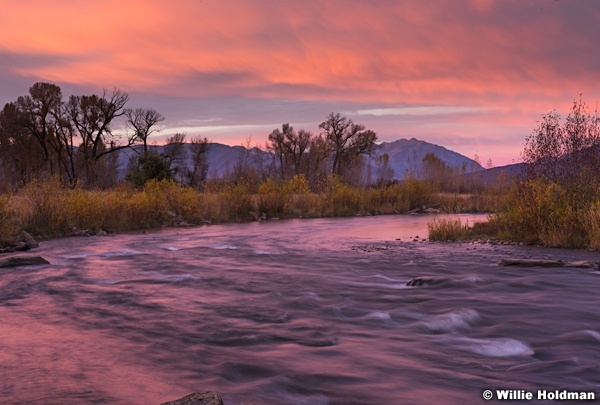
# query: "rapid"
[[306, 311]]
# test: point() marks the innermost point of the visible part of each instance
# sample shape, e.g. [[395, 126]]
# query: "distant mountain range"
[[405, 156]]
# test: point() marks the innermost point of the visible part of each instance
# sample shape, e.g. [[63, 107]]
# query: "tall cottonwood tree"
[[348, 141], [40, 133], [318, 162], [36, 112], [92, 117], [196, 174], [22, 158], [384, 171], [291, 149]]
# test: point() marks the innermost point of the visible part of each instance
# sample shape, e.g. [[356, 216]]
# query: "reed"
[[448, 230]]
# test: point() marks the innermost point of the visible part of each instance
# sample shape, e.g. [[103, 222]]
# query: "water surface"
[[293, 312]]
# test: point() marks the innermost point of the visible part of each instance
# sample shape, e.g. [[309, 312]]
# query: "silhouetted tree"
[[37, 113], [196, 174], [384, 172], [92, 117], [290, 148], [20, 154], [143, 123], [348, 141], [435, 169], [318, 160], [175, 153]]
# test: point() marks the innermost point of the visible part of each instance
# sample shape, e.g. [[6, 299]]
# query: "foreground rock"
[[545, 263], [23, 261], [197, 398], [23, 241], [425, 280]]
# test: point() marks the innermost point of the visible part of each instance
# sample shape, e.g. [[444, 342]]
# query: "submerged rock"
[[546, 263], [425, 280], [531, 263], [197, 398], [23, 261], [582, 264]]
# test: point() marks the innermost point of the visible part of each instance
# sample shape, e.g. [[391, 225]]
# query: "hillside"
[[405, 156]]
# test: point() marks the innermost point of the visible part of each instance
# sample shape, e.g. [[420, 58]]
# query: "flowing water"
[[293, 312]]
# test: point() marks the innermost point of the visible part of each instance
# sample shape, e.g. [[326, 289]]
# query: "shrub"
[[448, 230], [8, 228]]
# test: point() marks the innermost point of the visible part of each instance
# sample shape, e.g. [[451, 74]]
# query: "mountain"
[[406, 156], [495, 175], [221, 158]]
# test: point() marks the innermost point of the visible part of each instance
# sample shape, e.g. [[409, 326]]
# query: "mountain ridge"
[[405, 156]]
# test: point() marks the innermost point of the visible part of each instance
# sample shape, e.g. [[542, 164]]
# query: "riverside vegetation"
[[59, 165], [49, 208], [556, 202]]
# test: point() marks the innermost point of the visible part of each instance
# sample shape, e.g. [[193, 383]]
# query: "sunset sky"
[[471, 75]]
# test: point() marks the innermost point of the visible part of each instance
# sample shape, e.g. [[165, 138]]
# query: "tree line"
[[43, 133]]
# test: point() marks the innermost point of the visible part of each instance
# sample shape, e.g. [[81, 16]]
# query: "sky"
[[471, 75]]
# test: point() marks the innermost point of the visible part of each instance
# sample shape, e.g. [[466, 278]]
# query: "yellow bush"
[[593, 226], [542, 213], [8, 228]]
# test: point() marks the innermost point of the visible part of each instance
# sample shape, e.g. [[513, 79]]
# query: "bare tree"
[[567, 154], [196, 174], [275, 143], [348, 141], [385, 173], [36, 113], [21, 156], [290, 148], [92, 116], [174, 152], [143, 123], [320, 151]]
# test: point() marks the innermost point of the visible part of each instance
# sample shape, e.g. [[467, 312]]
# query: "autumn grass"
[[48, 209], [533, 213], [448, 230]]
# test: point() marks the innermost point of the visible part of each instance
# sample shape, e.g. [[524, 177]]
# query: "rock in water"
[[582, 264], [546, 263], [198, 398], [425, 280], [532, 263], [23, 261], [28, 239], [23, 241]]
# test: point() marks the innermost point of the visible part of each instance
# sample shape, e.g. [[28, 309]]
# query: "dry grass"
[[47, 209], [448, 230]]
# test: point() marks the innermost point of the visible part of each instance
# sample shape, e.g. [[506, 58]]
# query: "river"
[[307, 311]]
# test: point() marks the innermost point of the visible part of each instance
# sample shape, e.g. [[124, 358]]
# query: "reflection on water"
[[293, 312]]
